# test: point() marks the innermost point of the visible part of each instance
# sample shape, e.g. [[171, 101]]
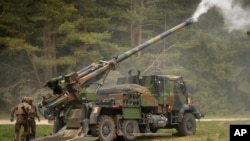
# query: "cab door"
[[165, 89], [180, 94]]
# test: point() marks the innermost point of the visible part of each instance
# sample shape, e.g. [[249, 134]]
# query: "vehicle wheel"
[[144, 129], [130, 127], [105, 128], [153, 130], [188, 125]]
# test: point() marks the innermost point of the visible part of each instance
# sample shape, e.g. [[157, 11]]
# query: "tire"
[[144, 129], [187, 126], [153, 130], [105, 128], [130, 127]]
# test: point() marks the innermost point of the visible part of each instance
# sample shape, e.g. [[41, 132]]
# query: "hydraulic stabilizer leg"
[[85, 120], [85, 127]]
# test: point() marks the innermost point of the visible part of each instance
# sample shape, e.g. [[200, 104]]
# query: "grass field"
[[7, 131], [206, 131]]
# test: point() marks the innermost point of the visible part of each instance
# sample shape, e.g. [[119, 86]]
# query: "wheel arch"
[[189, 108]]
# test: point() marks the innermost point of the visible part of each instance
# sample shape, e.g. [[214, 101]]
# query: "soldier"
[[32, 122], [22, 116]]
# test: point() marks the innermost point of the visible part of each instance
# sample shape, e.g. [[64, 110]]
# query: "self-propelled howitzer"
[[66, 88]]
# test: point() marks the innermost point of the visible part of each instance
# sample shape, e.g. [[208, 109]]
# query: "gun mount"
[[67, 96], [65, 88]]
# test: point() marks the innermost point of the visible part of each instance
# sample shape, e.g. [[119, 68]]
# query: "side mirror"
[[182, 86]]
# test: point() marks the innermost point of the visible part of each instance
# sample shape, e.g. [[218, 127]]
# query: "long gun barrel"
[[87, 72], [153, 40], [69, 85]]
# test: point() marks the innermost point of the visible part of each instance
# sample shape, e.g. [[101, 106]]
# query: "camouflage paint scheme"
[[152, 102], [155, 100], [22, 112], [68, 86], [161, 93]]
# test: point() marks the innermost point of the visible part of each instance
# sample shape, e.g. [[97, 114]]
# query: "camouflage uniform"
[[32, 122], [22, 115]]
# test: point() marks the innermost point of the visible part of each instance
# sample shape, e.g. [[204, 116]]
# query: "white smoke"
[[234, 15]]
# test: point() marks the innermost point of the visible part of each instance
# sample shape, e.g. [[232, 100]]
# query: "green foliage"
[[43, 39], [16, 45]]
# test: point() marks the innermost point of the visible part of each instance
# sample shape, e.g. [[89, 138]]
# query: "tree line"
[[43, 39]]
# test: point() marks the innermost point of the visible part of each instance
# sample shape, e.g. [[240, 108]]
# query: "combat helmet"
[[29, 99], [25, 99]]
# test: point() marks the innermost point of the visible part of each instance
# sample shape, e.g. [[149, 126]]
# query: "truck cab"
[[169, 90]]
